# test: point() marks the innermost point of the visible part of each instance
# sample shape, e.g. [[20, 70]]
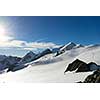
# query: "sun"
[[4, 34], [2, 29]]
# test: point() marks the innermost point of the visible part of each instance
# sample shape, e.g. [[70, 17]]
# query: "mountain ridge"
[[20, 63]]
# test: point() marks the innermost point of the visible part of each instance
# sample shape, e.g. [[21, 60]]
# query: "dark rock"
[[92, 63], [93, 66], [93, 78], [79, 82], [65, 48], [54, 50], [57, 54], [28, 57], [83, 67], [47, 51], [16, 67], [11, 67], [78, 65], [7, 61]]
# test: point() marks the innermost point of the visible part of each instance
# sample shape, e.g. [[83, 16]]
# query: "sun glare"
[[2, 29], [3, 34]]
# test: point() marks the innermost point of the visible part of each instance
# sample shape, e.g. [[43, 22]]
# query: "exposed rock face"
[[81, 66], [32, 56], [47, 51], [54, 50], [16, 67], [93, 78], [7, 61], [69, 46], [93, 66], [78, 65], [28, 57], [66, 47]]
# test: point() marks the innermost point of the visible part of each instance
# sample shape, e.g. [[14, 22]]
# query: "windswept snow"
[[44, 73], [51, 69]]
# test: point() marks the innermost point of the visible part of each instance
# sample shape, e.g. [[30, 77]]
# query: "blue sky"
[[57, 30], [60, 30]]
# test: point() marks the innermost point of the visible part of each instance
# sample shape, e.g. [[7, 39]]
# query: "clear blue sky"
[[60, 30]]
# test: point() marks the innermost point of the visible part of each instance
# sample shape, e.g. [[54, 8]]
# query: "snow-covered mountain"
[[17, 64], [28, 57], [67, 47], [7, 61], [47, 67]]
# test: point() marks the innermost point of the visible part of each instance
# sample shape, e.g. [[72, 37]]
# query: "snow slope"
[[51, 69]]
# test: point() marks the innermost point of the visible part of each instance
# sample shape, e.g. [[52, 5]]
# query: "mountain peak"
[[28, 57], [71, 43], [30, 52], [68, 46]]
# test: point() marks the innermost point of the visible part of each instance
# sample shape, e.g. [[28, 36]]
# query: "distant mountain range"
[[15, 63], [69, 63]]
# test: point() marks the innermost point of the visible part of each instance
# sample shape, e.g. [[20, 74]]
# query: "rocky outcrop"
[[28, 57], [7, 61], [93, 66], [69, 46], [45, 52], [78, 65], [16, 67], [93, 78], [65, 48]]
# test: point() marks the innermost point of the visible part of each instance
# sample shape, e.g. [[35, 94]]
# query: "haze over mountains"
[[48, 65]]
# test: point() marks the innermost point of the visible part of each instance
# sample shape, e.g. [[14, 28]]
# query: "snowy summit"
[[46, 67]]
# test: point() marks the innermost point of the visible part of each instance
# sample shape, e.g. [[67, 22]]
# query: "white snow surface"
[[50, 69]]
